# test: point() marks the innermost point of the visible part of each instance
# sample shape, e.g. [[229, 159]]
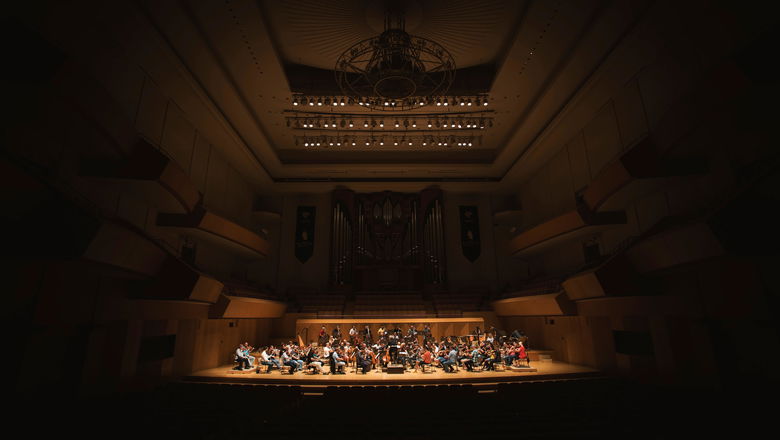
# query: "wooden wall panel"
[[602, 139], [630, 114], [178, 137], [151, 113]]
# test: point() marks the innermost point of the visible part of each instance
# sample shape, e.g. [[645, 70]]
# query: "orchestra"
[[476, 352]]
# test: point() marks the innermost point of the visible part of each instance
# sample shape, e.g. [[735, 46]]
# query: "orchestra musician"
[[337, 334], [367, 334], [323, 336], [426, 333], [353, 335], [362, 362], [241, 358]]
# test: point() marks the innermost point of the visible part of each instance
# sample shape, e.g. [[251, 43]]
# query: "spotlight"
[[468, 103], [311, 101], [319, 101], [351, 124], [365, 124], [295, 101], [381, 123], [397, 124]]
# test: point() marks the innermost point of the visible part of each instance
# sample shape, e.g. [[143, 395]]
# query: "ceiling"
[[236, 60]]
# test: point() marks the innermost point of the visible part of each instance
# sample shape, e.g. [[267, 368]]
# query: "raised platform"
[[439, 326], [537, 372]]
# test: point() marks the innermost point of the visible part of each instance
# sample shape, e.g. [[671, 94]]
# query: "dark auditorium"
[[391, 219]]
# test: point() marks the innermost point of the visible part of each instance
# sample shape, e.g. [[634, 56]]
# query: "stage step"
[[543, 357]]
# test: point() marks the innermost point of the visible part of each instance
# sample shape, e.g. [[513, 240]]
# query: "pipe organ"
[[387, 241]]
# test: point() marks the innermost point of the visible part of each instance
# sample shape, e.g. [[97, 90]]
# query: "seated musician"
[[476, 356], [313, 362], [241, 358], [362, 362], [510, 354], [427, 357], [522, 355], [267, 358], [490, 359], [296, 358], [465, 358], [338, 363], [247, 350], [287, 361], [452, 359]]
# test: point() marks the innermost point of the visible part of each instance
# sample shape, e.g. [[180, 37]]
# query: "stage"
[[539, 371]]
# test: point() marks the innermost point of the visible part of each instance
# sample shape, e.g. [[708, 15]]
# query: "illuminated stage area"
[[537, 371]]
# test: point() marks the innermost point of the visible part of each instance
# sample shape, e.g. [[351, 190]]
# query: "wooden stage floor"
[[538, 371]]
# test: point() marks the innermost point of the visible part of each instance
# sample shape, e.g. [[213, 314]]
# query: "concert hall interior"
[[499, 217]]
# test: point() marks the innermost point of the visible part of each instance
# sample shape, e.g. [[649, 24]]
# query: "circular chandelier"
[[395, 70]]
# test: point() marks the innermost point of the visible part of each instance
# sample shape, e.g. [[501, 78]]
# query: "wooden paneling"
[[178, 138], [602, 139], [151, 112], [219, 231], [675, 246], [560, 229], [242, 307], [537, 305]]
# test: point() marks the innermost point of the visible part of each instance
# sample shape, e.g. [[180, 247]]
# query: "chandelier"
[[395, 70]]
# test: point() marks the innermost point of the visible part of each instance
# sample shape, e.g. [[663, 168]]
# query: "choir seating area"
[[320, 304], [401, 305], [457, 303]]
